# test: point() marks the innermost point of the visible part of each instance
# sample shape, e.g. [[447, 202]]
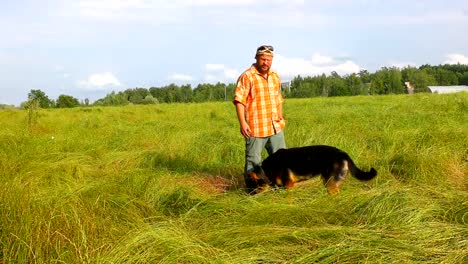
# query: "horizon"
[[88, 49]]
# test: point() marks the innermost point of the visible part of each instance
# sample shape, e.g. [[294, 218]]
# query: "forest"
[[387, 80]]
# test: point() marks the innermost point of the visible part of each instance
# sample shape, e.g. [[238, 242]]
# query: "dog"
[[287, 166]]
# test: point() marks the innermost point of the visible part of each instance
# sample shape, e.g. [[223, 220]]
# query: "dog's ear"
[[254, 176], [260, 176]]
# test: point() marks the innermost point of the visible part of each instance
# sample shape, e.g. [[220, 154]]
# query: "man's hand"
[[245, 130]]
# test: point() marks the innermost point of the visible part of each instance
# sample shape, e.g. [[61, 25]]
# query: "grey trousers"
[[255, 145]]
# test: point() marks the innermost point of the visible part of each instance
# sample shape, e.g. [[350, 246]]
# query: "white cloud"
[[99, 81], [456, 58], [181, 77], [320, 59], [290, 67], [220, 73], [210, 78], [231, 73]]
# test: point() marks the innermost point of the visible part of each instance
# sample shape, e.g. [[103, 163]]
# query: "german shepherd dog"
[[287, 166]]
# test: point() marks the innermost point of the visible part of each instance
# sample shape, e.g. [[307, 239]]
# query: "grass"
[[162, 184]]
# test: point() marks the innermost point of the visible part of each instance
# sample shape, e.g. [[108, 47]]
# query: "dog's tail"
[[360, 174]]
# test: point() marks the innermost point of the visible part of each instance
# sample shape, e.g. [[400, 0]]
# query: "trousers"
[[255, 145]]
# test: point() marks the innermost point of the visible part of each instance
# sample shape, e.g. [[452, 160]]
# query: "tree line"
[[387, 80], [170, 94]]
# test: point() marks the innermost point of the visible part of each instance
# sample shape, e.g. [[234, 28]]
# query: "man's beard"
[[263, 69]]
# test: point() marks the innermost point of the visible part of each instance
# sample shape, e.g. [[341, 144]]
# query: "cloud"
[[456, 58], [320, 59], [99, 81], [288, 68], [220, 73], [181, 77], [318, 64]]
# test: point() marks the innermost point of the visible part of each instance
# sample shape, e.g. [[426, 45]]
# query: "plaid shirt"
[[261, 98]]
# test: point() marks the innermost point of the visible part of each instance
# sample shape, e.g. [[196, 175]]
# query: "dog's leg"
[[332, 185], [288, 179], [334, 181]]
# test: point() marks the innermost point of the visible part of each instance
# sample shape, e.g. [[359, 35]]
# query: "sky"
[[89, 48]]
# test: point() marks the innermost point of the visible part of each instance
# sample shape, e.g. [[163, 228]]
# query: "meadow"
[[163, 184]]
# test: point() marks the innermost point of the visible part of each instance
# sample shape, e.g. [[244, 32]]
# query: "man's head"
[[264, 57]]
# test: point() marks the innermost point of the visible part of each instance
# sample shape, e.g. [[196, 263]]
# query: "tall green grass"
[[163, 184]]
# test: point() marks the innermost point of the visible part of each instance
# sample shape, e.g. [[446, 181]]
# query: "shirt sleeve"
[[242, 89]]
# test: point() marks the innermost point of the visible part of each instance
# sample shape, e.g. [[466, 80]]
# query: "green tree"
[[420, 79], [149, 99], [365, 76], [136, 96], [394, 81], [443, 76], [113, 99], [186, 93], [42, 99], [463, 80], [230, 89], [355, 84], [338, 85], [209, 92], [387, 81], [377, 85], [67, 101]]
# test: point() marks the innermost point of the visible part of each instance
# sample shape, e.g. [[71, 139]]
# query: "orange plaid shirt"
[[261, 98]]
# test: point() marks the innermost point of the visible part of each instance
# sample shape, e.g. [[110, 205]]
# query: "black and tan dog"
[[288, 166]]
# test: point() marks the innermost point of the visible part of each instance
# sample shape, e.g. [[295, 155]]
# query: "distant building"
[[409, 88], [448, 89], [286, 85]]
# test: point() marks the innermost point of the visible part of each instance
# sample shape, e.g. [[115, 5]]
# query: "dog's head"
[[257, 181]]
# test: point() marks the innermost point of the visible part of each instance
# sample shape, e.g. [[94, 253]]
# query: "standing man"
[[259, 107]]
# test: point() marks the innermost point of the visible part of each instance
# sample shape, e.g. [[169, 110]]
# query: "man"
[[259, 107]]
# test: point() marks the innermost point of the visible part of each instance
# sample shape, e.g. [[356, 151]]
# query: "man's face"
[[264, 63]]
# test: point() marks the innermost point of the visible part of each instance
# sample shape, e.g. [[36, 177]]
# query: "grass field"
[[163, 184]]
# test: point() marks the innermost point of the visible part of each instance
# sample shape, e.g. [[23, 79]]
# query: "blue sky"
[[88, 48]]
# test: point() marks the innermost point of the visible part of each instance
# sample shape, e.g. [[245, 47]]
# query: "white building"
[[448, 89]]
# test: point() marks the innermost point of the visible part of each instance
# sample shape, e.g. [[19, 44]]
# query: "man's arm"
[[280, 111], [244, 127]]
